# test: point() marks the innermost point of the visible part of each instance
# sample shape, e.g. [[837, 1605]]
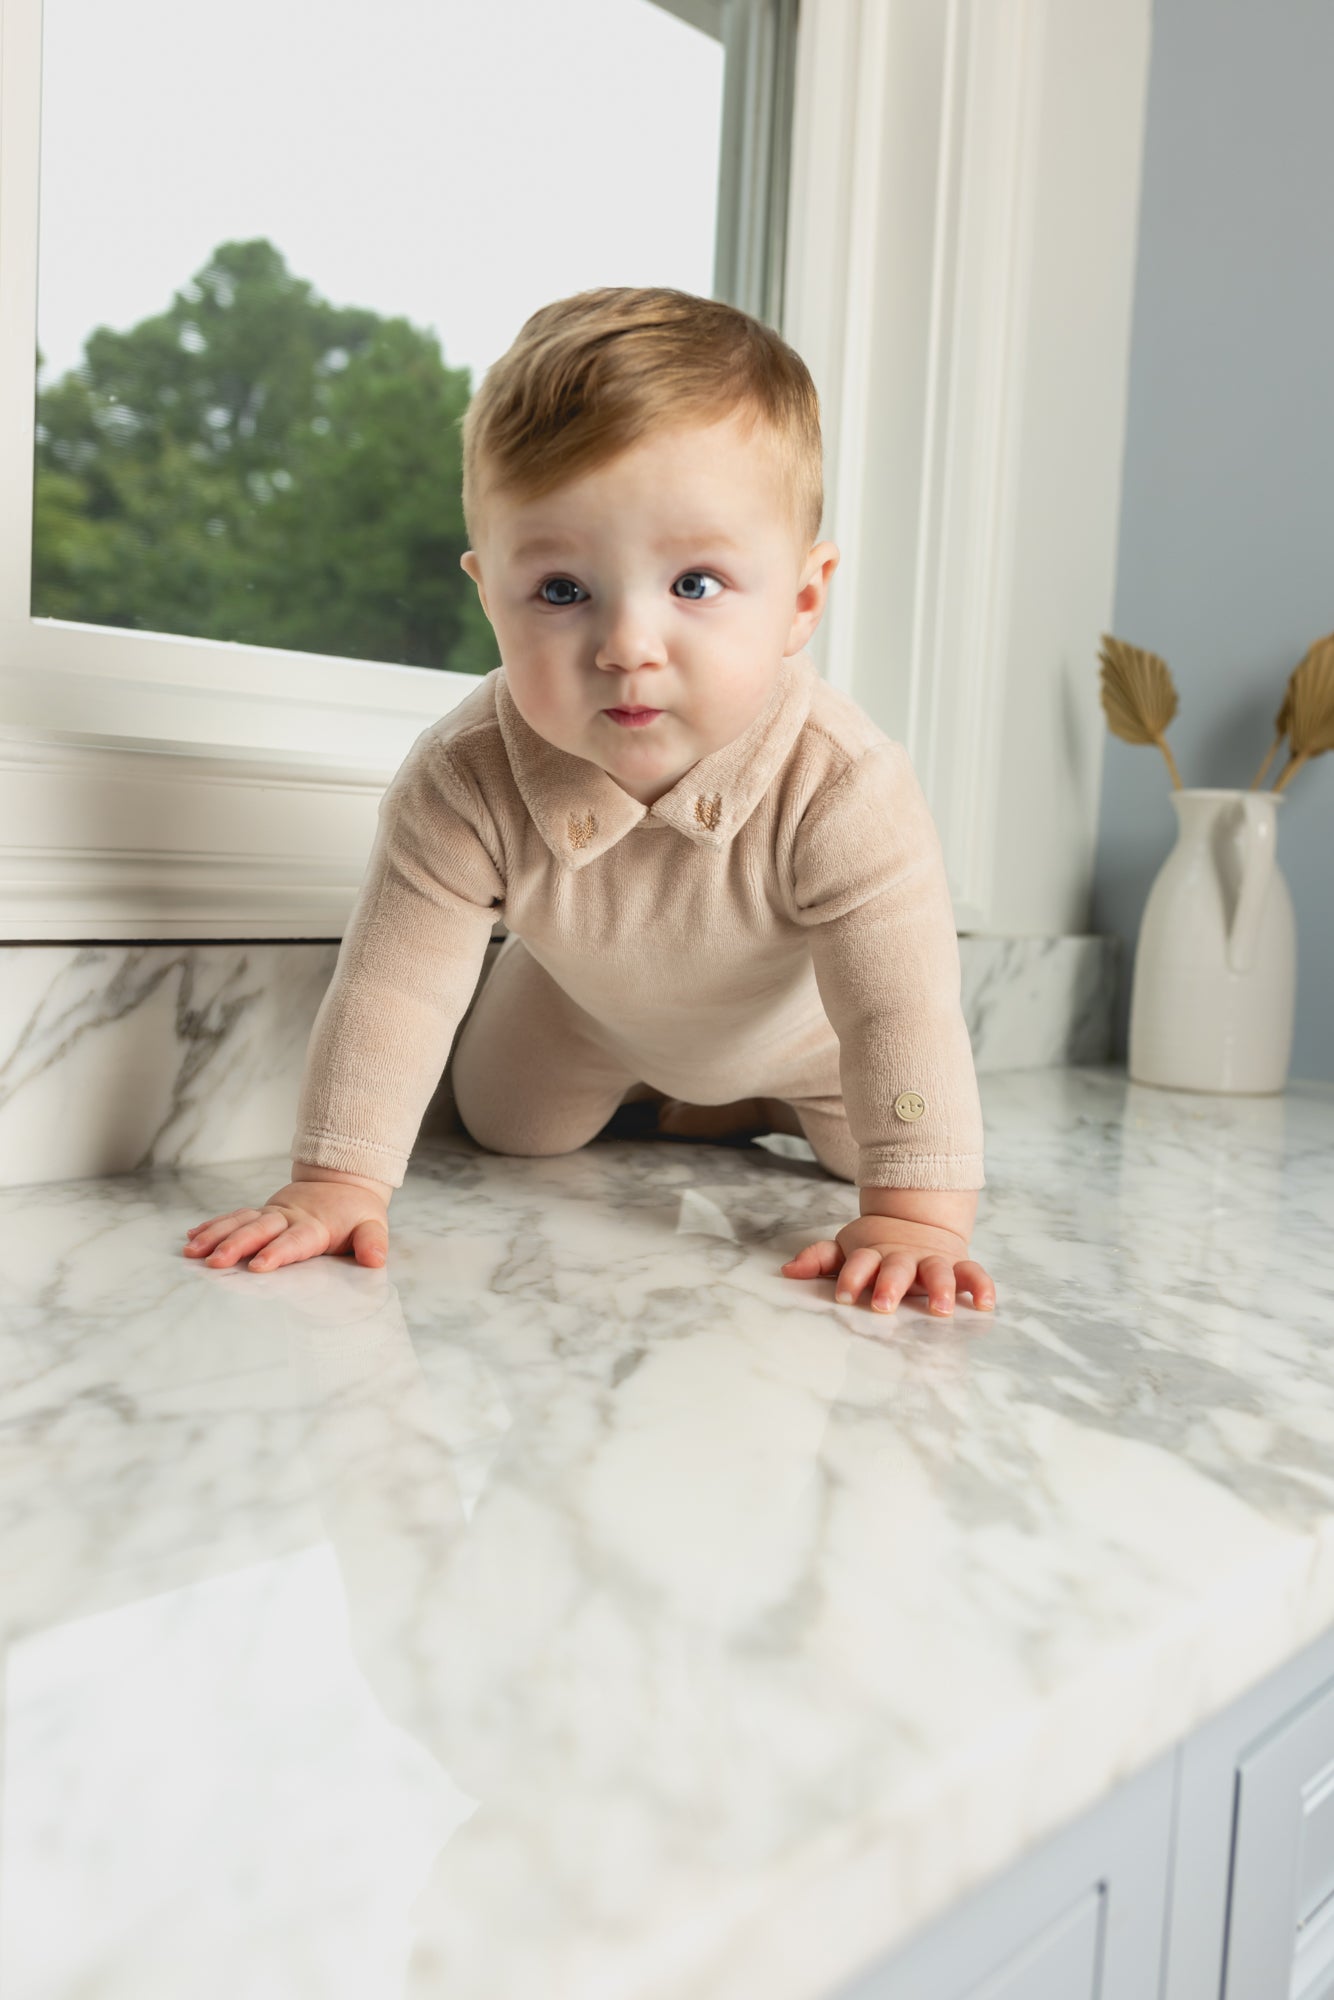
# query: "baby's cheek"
[[538, 701]]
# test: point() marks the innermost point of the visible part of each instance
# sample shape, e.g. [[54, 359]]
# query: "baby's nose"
[[630, 640]]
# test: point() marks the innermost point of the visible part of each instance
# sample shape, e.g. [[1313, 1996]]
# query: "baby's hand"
[[314, 1218], [888, 1254]]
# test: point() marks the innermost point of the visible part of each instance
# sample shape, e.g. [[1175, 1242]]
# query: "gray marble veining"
[[116, 1056], [1033, 1001], [579, 1607]]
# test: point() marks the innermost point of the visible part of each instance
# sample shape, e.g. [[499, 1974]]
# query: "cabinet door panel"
[[1211, 1857], [1315, 1957], [1060, 1965], [1279, 1941], [1080, 1917], [1315, 1871]]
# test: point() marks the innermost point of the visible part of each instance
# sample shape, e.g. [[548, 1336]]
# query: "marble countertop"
[[577, 1607]]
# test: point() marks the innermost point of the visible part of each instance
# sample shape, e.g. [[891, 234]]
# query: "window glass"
[[280, 244]]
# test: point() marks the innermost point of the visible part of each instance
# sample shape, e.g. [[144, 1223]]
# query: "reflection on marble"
[[116, 1056], [578, 1607]]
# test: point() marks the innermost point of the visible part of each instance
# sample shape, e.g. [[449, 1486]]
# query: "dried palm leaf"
[[1281, 724], [1138, 696], [1311, 724]]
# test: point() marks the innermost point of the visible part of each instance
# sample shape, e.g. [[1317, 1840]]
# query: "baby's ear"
[[468, 561]]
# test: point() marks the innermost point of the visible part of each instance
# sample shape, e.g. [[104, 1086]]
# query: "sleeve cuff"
[[890, 1166], [350, 1156]]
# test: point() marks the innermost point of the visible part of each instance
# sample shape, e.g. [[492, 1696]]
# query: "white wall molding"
[[833, 225], [134, 840], [961, 263], [958, 663]]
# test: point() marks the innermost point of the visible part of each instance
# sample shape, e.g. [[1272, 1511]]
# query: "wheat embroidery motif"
[[709, 811], [582, 830]]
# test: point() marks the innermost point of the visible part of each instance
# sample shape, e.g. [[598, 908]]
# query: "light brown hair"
[[588, 375]]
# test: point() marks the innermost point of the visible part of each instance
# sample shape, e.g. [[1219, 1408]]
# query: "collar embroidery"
[[581, 812]]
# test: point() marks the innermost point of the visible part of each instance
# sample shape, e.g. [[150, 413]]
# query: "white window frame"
[[99, 683], [157, 786], [961, 253]]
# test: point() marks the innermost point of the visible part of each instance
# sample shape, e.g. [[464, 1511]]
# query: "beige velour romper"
[[777, 925]]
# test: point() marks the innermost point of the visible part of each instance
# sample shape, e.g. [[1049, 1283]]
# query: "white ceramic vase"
[[1214, 994]]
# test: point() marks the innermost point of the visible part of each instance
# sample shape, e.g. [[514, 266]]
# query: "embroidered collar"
[[581, 812]]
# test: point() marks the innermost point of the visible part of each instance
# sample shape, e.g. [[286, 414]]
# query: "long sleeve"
[[869, 879], [406, 970]]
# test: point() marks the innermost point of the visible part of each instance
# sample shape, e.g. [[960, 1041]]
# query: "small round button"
[[910, 1104]]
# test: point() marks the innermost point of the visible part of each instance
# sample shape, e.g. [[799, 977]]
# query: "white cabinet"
[[1280, 1938], [1081, 1918], [1252, 1915], [1062, 1964], [1210, 1876]]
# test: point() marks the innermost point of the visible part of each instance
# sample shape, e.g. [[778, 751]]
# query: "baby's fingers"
[[970, 1277], [206, 1235], [248, 1237], [370, 1242], [294, 1242], [888, 1280], [817, 1260]]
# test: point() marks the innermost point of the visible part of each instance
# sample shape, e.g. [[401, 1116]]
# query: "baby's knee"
[[518, 1138], [824, 1127], [527, 1128]]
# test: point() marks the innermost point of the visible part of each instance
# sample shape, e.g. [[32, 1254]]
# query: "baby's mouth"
[[631, 718]]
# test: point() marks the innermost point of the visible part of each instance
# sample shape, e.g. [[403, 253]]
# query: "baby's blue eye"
[[698, 576], [558, 583]]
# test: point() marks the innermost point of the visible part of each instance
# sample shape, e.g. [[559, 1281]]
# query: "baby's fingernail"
[[843, 1298]]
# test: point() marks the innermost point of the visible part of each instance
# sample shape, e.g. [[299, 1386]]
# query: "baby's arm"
[[407, 968], [869, 879]]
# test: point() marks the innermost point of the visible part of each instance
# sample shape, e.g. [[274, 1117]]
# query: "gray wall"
[[1226, 557]]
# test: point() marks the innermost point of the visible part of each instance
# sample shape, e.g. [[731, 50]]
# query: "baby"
[[723, 889]]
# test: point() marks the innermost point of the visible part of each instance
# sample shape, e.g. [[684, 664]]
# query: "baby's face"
[[671, 579]]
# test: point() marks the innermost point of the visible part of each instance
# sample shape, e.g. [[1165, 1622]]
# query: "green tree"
[[257, 465]]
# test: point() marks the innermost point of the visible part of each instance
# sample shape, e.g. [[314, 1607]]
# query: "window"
[[277, 248], [965, 318], [318, 167], [277, 251]]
